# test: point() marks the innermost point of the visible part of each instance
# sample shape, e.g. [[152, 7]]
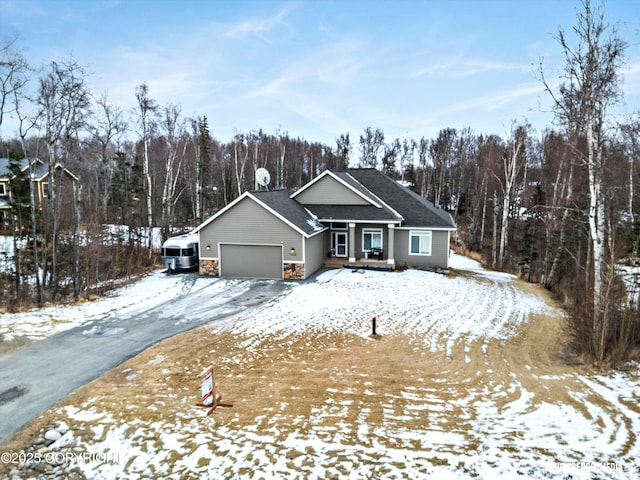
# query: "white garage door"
[[255, 261]]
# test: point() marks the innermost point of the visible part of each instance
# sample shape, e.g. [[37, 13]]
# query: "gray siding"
[[248, 222], [328, 191], [439, 250], [314, 254]]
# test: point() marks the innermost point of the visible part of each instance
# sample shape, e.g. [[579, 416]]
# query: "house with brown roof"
[[38, 171], [353, 216]]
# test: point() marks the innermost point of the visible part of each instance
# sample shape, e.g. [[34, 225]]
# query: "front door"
[[340, 244]]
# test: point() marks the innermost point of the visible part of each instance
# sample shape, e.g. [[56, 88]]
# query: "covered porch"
[[360, 243], [365, 263]]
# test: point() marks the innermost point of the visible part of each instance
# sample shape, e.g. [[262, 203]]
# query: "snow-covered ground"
[[126, 301], [487, 410]]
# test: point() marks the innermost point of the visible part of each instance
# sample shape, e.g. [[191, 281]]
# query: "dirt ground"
[[330, 385]]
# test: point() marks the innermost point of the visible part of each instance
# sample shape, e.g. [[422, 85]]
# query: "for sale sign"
[[207, 386]]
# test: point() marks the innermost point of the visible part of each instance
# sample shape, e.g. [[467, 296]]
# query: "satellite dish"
[[262, 177]]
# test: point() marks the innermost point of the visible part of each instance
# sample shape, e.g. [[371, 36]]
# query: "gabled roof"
[[416, 210], [347, 182], [374, 210], [280, 204], [40, 169], [4, 167]]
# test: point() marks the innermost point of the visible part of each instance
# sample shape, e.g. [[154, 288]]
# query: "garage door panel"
[[256, 261]]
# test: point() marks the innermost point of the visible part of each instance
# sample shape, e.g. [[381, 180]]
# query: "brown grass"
[[279, 386]]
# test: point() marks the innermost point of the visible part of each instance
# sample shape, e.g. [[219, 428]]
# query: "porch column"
[[352, 243], [391, 227]]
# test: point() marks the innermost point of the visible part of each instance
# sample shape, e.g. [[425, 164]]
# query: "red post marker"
[[373, 324]]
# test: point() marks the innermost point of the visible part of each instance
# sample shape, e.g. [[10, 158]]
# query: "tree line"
[[557, 207]]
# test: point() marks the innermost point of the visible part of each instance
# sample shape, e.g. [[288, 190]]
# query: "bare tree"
[[175, 151], [343, 150], [240, 156], [513, 162], [14, 75], [109, 125], [147, 108], [442, 151], [64, 103], [631, 143], [371, 144], [589, 85]]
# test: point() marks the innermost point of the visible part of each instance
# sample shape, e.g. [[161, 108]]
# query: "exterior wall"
[[329, 190], [248, 222], [359, 253], [209, 267], [439, 249], [314, 254]]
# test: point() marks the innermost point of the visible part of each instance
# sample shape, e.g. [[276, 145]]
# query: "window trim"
[[3, 189], [421, 234], [375, 231]]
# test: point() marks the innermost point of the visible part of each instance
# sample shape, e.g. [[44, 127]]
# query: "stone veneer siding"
[[209, 267], [294, 271]]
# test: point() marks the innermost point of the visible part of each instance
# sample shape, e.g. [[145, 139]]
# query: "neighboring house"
[[356, 215], [40, 171]]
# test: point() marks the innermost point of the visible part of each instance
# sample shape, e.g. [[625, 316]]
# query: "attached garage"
[[255, 261]]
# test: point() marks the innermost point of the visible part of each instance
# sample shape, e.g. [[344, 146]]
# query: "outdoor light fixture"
[[293, 252], [208, 247]]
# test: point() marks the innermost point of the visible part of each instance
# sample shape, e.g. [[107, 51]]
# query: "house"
[[353, 215], [40, 175]]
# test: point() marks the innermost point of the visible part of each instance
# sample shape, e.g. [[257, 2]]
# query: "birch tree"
[[343, 150], [371, 144], [147, 108], [14, 75], [175, 151], [64, 104], [513, 162], [240, 156], [109, 125], [589, 86]]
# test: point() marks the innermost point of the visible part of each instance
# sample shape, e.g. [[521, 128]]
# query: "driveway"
[[35, 377]]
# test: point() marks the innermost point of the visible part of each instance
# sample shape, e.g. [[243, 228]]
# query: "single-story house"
[[354, 214]]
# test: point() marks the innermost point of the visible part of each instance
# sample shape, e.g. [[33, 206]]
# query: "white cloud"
[[259, 26], [458, 68]]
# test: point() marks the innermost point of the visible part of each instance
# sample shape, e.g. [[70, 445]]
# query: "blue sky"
[[316, 69]]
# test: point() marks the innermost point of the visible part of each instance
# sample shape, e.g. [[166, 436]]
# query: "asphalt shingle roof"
[[416, 211], [281, 202], [39, 169]]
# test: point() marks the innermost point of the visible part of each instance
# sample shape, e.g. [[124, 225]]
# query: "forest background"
[[557, 207]]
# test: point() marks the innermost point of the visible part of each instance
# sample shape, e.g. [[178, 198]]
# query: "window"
[[371, 238], [45, 189], [3, 191], [420, 243], [338, 226]]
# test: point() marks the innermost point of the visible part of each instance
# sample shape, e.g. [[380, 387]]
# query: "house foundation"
[[293, 271], [210, 268]]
